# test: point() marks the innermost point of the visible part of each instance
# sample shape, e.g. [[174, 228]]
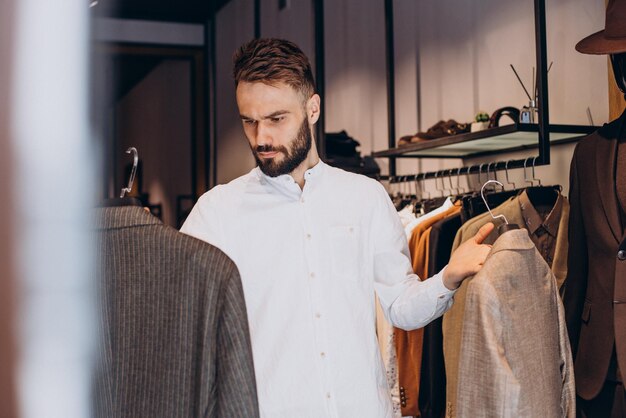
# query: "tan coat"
[[515, 358], [453, 319]]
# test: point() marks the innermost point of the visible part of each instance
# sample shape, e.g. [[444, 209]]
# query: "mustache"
[[270, 148]]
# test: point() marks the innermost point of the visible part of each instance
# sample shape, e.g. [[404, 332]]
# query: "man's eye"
[[276, 120], [248, 122]]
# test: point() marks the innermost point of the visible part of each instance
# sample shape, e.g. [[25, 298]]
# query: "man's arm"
[[408, 302]]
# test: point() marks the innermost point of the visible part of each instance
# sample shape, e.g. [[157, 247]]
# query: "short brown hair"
[[270, 61]]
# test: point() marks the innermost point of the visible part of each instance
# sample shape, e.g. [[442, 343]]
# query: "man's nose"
[[263, 134]]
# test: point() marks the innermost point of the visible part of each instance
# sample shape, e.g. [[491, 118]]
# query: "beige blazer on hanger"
[[515, 358], [453, 319]]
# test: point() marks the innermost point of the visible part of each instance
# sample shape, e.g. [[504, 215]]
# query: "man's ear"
[[313, 109]]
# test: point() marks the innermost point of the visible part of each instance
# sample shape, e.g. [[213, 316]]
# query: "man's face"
[[276, 125]]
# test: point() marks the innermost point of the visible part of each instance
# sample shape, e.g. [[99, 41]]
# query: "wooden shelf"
[[489, 141]]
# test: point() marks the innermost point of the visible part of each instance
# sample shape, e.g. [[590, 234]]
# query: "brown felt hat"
[[611, 40]]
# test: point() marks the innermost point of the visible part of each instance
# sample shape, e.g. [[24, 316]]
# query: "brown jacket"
[[595, 290], [453, 319], [515, 358]]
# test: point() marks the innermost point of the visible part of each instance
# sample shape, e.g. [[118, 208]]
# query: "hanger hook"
[[128, 188], [458, 181], [436, 184], [495, 174], [467, 177], [452, 189], [538, 180], [480, 170], [506, 171], [424, 188], [482, 194], [493, 189], [417, 188], [526, 178]]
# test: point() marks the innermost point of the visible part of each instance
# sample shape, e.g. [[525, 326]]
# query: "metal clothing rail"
[[488, 168]]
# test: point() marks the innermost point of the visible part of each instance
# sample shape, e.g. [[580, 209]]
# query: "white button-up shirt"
[[310, 262]]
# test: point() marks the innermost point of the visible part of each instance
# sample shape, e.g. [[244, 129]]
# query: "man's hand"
[[468, 258]]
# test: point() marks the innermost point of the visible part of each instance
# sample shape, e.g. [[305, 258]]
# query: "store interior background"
[[452, 59], [65, 123]]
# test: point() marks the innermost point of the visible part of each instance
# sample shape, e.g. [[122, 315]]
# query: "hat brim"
[[598, 44]]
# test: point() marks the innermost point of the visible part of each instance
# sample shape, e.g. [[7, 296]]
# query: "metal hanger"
[[506, 172], [533, 171], [482, 194], [506, 226], [453, 190], [526, 178], [436, 185], [480, 170], [458, 181], [423, 190], [467, 179], [495, 176], [132, 172]]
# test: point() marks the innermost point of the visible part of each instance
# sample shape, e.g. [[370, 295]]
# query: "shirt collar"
[[533, 220], [286, 183]]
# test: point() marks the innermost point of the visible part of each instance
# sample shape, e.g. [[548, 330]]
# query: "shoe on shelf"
[[443, 128]]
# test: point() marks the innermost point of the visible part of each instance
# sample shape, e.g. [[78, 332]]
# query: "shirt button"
[[323, 354], [308, 236], [318, 315], [328, 396], [621, 255], [312, 275], [302, 200]]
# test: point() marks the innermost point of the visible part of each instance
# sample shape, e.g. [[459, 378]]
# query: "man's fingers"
[[483, 232]]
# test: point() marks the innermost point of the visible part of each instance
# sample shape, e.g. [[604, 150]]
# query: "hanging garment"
[[385, 333], [174, 330], [408, 229], [453, 319], [409, 344], [515, 359], [432, 395], [595, 289], [387, 344]]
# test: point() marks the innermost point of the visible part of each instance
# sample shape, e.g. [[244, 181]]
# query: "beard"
[[297, 152]]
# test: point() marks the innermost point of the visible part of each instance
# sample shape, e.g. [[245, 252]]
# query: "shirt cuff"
[[439, 290]]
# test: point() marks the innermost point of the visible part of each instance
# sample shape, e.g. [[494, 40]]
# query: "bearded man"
[[314, 245]]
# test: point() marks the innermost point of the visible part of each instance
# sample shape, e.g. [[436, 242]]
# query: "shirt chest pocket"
[[345, 254]]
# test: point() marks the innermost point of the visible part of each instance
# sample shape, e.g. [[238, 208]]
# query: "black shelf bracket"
[[542, 81], [391, 89]]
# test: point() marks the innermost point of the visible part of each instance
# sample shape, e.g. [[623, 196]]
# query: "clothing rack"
[[490, 167]]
